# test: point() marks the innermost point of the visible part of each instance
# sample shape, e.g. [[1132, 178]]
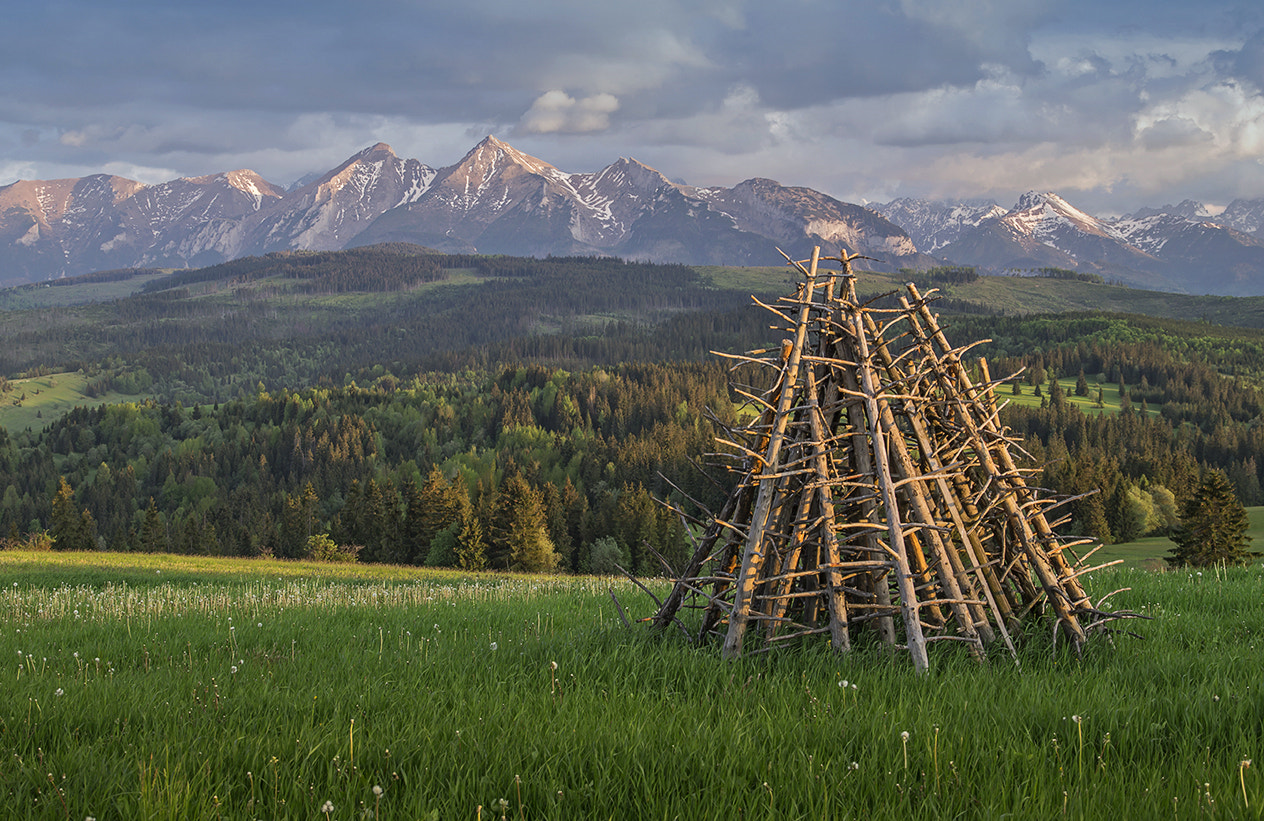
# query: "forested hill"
[[417, 407], [291, 320]]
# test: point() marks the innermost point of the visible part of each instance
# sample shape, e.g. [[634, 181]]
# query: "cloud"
[[1173, 132], [855, 97], [557, 112]]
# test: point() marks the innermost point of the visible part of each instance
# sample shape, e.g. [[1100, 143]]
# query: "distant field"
[[48, 398], [1015, 295], [47, 295], [1087, 404], [1148, 553]]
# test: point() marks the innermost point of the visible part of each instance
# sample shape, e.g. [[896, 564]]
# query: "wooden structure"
[[878, 492]]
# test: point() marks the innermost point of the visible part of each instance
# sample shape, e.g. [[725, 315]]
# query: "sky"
[[1114, 104]]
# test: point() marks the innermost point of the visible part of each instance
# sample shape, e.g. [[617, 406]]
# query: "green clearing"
[[162, 687], [1087, 404], [1017, 295], [48, 398], [80, 292], [1148, 553]]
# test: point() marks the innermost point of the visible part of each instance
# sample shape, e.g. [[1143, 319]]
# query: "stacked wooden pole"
[[878, 494]]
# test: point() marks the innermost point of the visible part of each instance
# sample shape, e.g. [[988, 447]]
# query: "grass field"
[[48, 398], [1027, 295], [165, 687], [1148, 553], [46, 295]]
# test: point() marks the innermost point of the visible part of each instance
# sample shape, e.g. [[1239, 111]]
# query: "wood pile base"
[[878, 494]]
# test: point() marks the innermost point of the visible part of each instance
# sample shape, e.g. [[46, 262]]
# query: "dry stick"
[[1009, 496], [753, 555], [619, 607], [787, 524], [701, 552], [949, 502], [840, 639], [861, 454], [904, 577], [951, 572], [1078, 596], [779, 584]]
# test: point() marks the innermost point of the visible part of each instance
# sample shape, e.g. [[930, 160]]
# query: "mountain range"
[[498, 200]]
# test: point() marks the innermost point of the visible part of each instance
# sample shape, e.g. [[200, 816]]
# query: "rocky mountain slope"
[[499, 200], [1179, 248], [495, 200]]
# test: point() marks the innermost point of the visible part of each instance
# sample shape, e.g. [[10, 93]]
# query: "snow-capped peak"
[[1039, 215]]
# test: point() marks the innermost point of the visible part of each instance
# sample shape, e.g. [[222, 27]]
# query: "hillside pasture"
[[165, 687], [36, 402]]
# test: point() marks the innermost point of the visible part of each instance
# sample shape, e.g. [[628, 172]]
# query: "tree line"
[[530, 468]]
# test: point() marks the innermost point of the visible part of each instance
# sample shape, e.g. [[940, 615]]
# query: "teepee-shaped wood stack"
[[878, 493]]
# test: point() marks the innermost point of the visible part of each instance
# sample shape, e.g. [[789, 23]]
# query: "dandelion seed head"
[[494, 647], [552, 665], [904, 736], [327, 807], [233, 669], [59, 692], [377, 790], [1076, 719]]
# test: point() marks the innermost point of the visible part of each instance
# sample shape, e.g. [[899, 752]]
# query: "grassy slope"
[[44, 295], [47, 399], [1148, 553], [1030, 295], [174, 688]]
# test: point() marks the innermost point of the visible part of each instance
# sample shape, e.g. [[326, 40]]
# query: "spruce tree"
[[70, 528], [471, 550], [1213, 526]]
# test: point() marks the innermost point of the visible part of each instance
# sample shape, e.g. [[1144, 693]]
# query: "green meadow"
[[145, 686], [36, 402]]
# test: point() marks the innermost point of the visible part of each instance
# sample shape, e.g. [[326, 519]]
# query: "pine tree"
[[153, 531], [70, 528], [1092, 516], [1213, 526], [471, 550], [530, 548], [64, 525]]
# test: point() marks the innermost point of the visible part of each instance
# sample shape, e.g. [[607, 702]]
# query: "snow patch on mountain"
[[935, 224]]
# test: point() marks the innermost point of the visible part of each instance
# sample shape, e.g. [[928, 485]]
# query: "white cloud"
[[556, 112]]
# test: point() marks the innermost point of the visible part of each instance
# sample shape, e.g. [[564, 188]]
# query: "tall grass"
[[254, 690]]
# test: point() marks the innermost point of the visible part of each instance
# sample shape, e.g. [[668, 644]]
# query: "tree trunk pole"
[[753, 555]]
